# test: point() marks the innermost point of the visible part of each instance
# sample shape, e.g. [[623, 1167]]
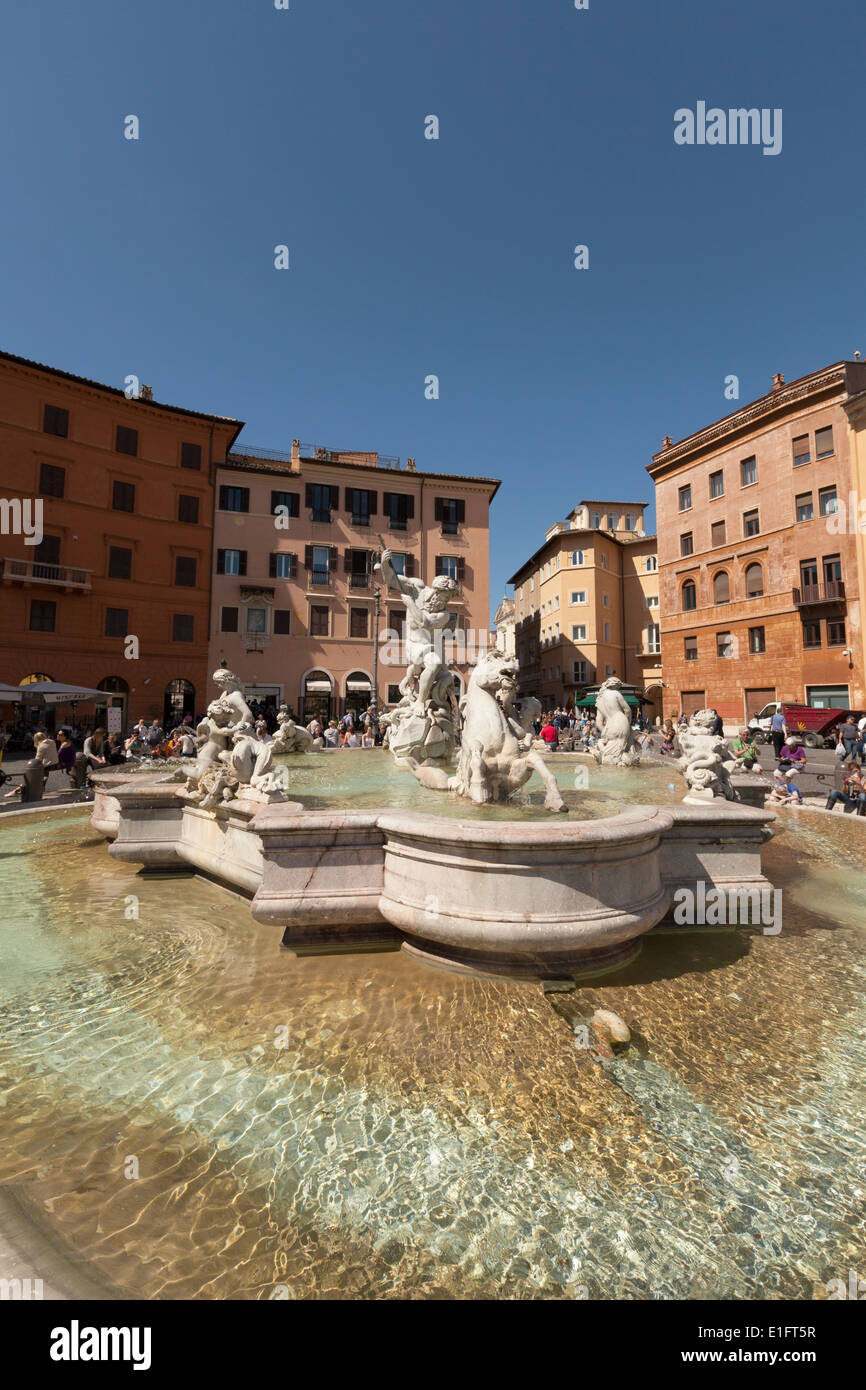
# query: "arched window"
[[754, 581], [117, 692], [690, 595], [721, 587], [317, 697], [179, 700]]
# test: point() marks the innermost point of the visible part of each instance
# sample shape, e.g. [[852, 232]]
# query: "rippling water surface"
[[360, 1126]]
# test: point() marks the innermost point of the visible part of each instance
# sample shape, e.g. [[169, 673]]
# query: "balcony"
[[810, 595], [397, 523], [321, 516], [320, 579], [358, 580], [36, 572]]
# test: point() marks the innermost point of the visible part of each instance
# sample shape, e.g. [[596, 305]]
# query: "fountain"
[[539, 899]]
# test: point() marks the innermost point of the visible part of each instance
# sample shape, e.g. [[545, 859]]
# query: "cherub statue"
[[707, 760]]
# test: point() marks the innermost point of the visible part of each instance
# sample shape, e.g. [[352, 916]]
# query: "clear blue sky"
[[454, 257]]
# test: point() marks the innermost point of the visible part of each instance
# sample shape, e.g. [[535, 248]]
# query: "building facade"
[[299, 610], [125, 491], [586, 606], [760, 567]]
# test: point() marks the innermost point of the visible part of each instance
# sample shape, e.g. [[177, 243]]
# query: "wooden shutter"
[[334, 556], [245, 499], [242, 562], [308, 498], [272, 570], [386, 502], [373, 507], [410, 566], [439, 559], [347, 561], [333, 498], [221, 562], [461, 511], [293, 566], [461, 570], [350, 499], [308, 555], [411, 508], [437, 509]]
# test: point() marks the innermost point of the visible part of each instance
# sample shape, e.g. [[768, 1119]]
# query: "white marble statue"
[[707, 760], [423, 726], [496, 753], [232, 762], [290, 737], [616, 745]]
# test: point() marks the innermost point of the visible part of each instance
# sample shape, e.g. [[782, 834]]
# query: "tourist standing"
[[778, 732]]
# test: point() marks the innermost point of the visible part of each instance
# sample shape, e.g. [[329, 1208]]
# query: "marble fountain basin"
[[548, 899]]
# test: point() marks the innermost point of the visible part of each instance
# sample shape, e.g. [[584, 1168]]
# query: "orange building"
[[125, 488], [586, 607], [297, 603], [760, 558]]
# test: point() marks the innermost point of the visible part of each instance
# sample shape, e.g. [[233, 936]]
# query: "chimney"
[[410, 465], [667, 442], [146, 393]]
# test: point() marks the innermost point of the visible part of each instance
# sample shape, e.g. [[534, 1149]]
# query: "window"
[[119, 562], [357, 622], [450, 512], [577, 557], [832, 566], [603, 561], [52, 480], [717, 533], [321, 556], [595, 520], [757, 641], [805, 509], [836, 632], [724, 645], [652, 600], [690, 596], [613, 521], [231, 562], [686, 544], [185, 571], [717, 484], [282, 622], [116, 622], [808, 574], [653, 640], [55, 420], [652, 564], [125, 440], [578, 632], [685, 495], [362, 504], [580, 672], [398, 562], [827, 501], [282, 565], [607, 632], [447, 564], [234, 499], [190, 456], [123, 497], [399, 509], [319, 619], [754, 581], [751, 524], [824, 442], [228, 620], [187, 509], [690, 648], [182, 627], [47, 556], [605, 598], [801, 450], [721, 587], [290, 500], [43, 615], [578, 596], [394, 695], [748, 471], [629, 521], [811, 634]]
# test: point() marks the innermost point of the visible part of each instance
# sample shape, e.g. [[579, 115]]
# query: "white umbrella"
[[56, 693]]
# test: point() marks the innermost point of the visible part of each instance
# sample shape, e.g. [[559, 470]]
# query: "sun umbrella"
[[56, 693]]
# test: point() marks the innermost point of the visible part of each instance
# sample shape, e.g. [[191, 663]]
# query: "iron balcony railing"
[[831, 591]]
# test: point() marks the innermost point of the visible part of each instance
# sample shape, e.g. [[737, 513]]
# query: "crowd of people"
[[352, 731]]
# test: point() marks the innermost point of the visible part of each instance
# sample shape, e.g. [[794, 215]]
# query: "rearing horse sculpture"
[[496, 754]]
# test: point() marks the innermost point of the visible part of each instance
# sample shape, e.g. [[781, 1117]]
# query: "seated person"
[[746, 750], [785, 792], [550, 734], [853, 793], [793, 754]]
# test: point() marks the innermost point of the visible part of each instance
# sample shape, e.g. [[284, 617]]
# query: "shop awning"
[[588, 702]]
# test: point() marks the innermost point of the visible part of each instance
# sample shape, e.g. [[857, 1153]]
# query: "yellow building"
[[586, 606]]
